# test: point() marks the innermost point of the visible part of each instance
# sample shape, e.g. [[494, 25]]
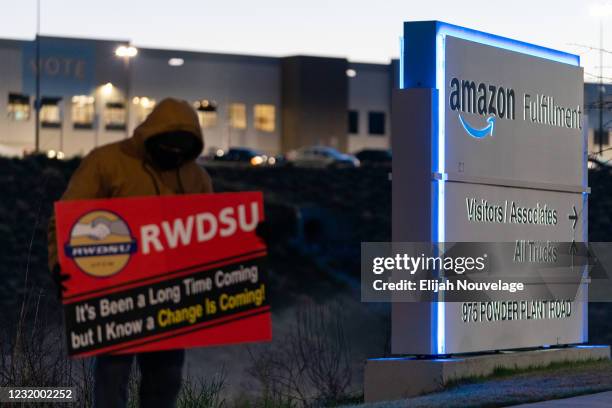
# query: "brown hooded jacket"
[[123, 169]]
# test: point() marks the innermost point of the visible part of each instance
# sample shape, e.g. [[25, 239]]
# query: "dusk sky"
[[364, 31]]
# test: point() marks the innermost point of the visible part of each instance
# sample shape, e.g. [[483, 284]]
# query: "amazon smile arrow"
[[479, 133]]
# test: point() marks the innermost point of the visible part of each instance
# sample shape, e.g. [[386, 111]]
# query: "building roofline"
[[370, 65], [172, 53], [12, 42], [186, 53], [96, 40]]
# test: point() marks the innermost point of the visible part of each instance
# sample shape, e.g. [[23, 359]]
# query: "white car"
[[321, 156]]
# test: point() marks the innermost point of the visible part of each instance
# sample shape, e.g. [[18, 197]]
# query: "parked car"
[[321, 156], [374, 157], [244, 155]]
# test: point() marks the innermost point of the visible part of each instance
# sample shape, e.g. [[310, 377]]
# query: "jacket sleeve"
[[86, 183], [206, 183]]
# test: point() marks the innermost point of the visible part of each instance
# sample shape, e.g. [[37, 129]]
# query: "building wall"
[[315, 100], [593, 147], [66, 72], [311, 95], [14, 135], [370, 91], [224, 79], [591, 109]]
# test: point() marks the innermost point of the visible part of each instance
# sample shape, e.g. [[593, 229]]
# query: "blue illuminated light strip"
[[401, 63], [585, 221], [507, 44], [585, 273], [440, 345]]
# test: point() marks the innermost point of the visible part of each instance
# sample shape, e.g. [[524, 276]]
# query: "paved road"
[[600, 400]]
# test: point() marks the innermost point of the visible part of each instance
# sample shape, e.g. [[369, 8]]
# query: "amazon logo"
[[491, 102]]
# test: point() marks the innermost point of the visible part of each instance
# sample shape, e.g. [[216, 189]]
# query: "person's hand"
[[263, 232], [59, 278]]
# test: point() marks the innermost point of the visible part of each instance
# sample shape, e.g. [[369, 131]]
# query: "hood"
[[170, 115]]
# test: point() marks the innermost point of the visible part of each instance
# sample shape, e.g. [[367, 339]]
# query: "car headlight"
[[257, 160]]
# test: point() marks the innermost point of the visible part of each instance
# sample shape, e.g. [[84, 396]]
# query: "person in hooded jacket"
[[159, 159]]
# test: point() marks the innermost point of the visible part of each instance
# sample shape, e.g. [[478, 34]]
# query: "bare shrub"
[[202, 393], [33, 353], [310, 366], [194, 393]]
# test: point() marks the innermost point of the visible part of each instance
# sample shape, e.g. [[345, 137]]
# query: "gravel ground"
[[538, 385]]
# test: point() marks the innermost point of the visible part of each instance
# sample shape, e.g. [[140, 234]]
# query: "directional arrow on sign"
[[573, 217], [573, 249]]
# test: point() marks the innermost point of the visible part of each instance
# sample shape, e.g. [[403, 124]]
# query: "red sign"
[[157, 273]]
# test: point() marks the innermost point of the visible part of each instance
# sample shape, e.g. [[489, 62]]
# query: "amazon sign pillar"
[[484, 122]]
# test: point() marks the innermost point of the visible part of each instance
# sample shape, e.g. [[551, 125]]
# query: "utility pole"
[[601, 87], [37, 100], [127, 52], [128, 91]]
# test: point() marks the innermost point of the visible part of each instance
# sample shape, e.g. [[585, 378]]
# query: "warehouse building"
[[96, 91]]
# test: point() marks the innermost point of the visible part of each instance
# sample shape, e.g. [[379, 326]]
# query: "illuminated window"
[[238, 116], [115, 116], [144, 106], [207, 112], [353, 122], [264, 117], [376, 123], [50, 112], [83, 112], [18, 106]]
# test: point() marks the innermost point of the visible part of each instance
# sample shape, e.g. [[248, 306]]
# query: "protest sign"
[[158, 273]]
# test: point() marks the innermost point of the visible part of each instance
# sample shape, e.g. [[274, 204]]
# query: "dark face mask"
[[169, 151]]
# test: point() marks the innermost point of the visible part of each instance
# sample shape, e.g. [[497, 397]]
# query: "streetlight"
[[601, 11], [107, 89], [127, 52], [37, 85]]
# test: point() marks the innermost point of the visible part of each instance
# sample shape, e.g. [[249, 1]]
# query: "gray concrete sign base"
[[388, 379]]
